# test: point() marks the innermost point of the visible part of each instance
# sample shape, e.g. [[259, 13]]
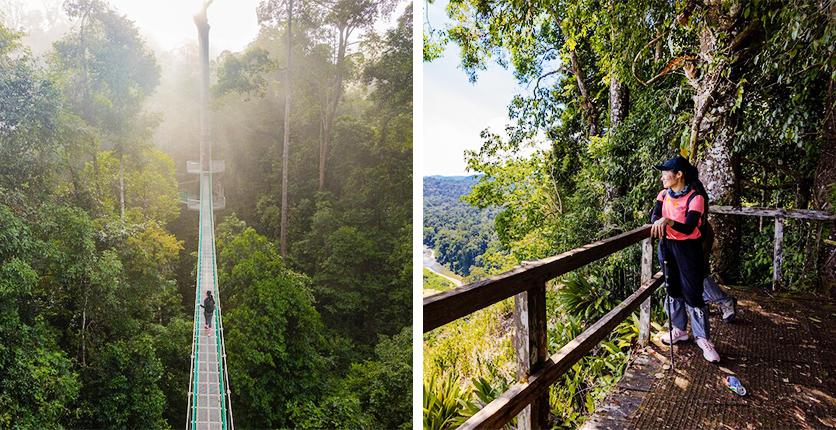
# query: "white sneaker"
[[729, 310], [678, 335], [708, 351]]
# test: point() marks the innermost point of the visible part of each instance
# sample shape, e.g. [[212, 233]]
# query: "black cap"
[[677, 164]]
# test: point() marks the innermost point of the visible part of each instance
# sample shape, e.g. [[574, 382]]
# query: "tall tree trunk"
[[83, 332], [337, 89], [121, 187], [285, 149], [824, 184], [85, 98], [619, 102], [720, 170], [619, 107], [202, 23]]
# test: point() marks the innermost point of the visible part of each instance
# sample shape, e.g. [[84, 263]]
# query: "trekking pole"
[[667, 296]]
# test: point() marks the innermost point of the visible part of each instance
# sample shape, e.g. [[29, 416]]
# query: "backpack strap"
[[703, 217], [688, 204]]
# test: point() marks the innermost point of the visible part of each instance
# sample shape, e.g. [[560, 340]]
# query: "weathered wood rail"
[[779, 214], [536, 371]]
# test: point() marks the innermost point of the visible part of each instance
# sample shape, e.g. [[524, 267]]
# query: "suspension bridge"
[[209, 404]]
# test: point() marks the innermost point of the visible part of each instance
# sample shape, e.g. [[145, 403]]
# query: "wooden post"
[[779, 253], [531, 344], [647, 273]]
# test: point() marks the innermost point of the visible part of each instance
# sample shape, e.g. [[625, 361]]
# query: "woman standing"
[[208, 309], [676, 217]]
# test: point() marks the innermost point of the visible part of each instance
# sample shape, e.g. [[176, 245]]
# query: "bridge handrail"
[[226, 397], [190, 415], [447, 306]]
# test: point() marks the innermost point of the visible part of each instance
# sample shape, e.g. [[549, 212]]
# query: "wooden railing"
[[779, 215], [536, 371]]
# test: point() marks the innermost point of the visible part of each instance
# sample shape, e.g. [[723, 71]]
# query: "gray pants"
[[713, 293], [699, 317], [208, 316]]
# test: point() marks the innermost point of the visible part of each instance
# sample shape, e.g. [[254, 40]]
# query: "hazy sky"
[[170, 23], [456, 111]]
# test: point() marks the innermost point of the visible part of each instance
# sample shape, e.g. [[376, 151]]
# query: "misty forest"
[[744, 89], [98, 251]]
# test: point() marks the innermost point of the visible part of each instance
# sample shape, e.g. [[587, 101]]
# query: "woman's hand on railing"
[[658, 228]]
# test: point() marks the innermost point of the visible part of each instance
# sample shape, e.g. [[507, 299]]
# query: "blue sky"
[[456, 111]]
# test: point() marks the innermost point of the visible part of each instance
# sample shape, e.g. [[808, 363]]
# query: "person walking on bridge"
[[208, 309], [676, 217]]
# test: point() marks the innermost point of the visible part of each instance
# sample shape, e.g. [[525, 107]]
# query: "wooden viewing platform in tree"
[[537, 370]]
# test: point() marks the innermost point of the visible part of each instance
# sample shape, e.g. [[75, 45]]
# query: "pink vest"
[[674, 208]]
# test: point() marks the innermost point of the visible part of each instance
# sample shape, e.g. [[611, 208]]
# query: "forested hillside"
[[744, 89], [97, 253], [458, 232]]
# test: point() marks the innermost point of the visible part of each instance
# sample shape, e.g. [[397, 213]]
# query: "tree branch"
[[636, 58], [743, 35], [768, 187], [553, 72], [766, 164], [586, 102]]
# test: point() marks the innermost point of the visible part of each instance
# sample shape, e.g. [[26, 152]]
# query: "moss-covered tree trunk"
[[619, 108], [715, 120]]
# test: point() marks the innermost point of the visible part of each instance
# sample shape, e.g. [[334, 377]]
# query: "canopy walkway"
[[209, 393], [782, 350], [209, 403]]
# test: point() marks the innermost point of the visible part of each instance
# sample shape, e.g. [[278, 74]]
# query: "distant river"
[[434, 266]]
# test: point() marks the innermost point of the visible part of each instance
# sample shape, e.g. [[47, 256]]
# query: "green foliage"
[[273, 333], [108, 69], [39, 386], [484, 392], [442, 402], [89, 299], [353, 238], [331, 412], [391, 71], [31, 120], [243, 75], [380, 384], [121, 386], [459, 233], [580, 297], [435, 282], [469, 347]]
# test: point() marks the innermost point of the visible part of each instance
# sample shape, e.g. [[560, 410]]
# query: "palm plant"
[[443, 401], [583, 298]]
